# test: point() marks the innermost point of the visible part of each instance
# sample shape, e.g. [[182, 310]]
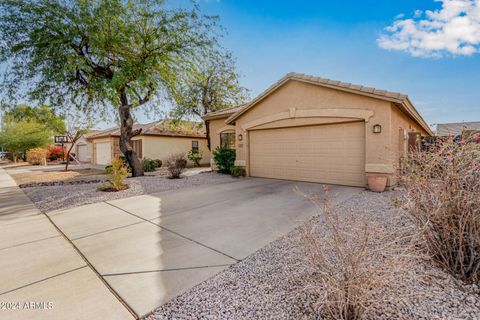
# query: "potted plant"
[[377, 182]]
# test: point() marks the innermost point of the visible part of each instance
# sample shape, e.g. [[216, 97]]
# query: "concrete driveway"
[[151, 248]]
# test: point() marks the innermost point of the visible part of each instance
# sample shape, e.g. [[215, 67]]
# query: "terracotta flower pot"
[[377, 183]]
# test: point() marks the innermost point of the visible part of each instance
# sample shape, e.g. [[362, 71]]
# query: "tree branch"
[[145, 98], [136, 132]]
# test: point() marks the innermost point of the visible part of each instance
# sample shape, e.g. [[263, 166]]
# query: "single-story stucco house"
[[84, 148], [308, 128], [156, 141]]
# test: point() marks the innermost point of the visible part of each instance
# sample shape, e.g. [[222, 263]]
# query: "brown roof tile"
[[152, 128], [346, 85], [224, 112]]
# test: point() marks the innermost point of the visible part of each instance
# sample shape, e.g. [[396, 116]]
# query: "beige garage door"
[[103, 153], [333, 153], [82, 151]]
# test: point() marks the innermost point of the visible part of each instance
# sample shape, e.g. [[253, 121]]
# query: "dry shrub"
[[443, 196], [351, 262], [175, 164], [37, 156]]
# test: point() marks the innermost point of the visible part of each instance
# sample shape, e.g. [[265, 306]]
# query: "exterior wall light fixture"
[[240, 137], [377, 128]]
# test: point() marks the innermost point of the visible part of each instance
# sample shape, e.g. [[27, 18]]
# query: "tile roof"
[[152, 128], [342, 85], [224, 112]]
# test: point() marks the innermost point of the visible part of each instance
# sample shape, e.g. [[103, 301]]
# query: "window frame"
[[195, 145], [137, 147], [230, 142]]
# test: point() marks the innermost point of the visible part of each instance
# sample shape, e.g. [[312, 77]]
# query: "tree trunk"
[[68, 156], [207, 131], [126, 134]]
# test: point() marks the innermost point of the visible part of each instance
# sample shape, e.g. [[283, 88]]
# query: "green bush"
[[108, 169], [150, 165], [237, 171], [158, 162], [224, 159], [195, 156], [119, 173]]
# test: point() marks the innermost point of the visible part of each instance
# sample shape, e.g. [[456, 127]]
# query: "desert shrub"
[[175, 164], [349, 263], [150, 165], [158, 162], [442, 193], [195, 156], [237, 171], [37, 156], [108, 169], [224, 159], [55, 152], [118, 173]]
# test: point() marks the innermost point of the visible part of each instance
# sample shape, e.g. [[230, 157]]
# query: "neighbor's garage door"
[[82, 151], [333, 154], [103, 153]]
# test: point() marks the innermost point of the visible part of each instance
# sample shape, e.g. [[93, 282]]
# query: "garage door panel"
[[82, 153], [324, 153], [103, 153]]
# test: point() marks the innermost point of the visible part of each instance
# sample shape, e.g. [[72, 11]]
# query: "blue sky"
[[339, 40]]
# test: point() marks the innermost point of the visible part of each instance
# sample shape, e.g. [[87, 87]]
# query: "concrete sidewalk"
[[41, 274]]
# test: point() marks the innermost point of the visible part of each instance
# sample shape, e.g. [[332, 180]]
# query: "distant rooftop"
[[158, 128], [456, 128]]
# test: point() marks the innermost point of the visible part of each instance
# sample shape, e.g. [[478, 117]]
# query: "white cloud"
[[453, 29]]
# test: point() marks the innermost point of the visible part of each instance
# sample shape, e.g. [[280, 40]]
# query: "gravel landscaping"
[[67, 195], [262, 285]]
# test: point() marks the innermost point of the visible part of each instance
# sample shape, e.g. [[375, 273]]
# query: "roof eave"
[[217, 116], [175, 135], [413, 112]]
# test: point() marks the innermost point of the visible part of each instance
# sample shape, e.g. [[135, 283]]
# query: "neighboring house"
[[156, 141], [313, 129], [455, 129], [84, 147]]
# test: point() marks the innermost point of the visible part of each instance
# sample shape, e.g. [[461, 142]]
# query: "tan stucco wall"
[[216, 127], [155, 147]]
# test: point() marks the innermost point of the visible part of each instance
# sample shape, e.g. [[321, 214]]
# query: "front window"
[[227, 140], [195, 146], [137, 147]]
